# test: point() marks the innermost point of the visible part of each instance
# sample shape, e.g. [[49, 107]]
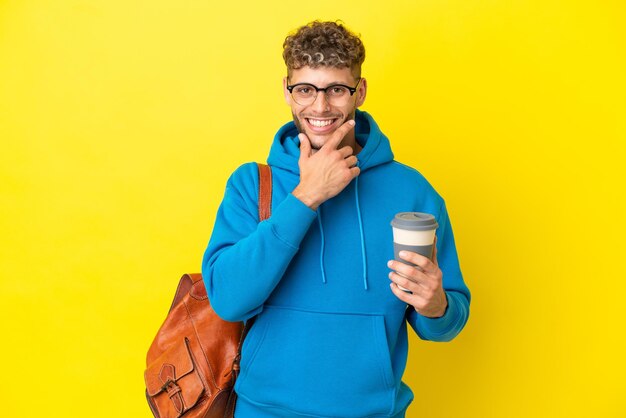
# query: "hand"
[[424, 280], [325, 173]]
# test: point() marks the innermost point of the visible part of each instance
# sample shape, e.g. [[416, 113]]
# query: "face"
[[319, 119]]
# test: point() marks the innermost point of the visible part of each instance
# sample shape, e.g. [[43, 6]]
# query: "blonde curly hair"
[[328, 44]]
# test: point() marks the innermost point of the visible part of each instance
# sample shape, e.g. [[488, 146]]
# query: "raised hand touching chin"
[[325, 173]]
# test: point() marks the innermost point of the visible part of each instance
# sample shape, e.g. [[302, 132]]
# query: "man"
[[330, 337]]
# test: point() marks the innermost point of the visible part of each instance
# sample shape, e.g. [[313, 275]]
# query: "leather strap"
[[265, 191]]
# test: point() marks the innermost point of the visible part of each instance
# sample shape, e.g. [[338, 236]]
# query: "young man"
[[330, 337]]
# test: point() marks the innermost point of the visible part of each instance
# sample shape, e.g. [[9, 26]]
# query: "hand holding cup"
[[417, 278]]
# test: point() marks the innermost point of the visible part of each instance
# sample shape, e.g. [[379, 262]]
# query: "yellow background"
[[120, 122]]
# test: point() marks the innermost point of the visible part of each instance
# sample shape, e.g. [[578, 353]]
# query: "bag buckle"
[[171, 387], [167, 384]]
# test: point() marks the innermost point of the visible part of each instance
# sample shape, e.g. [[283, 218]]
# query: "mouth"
[[321, 125]]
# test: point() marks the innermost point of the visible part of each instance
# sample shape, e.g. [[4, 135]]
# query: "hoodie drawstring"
[[319, 223], [358, 211]]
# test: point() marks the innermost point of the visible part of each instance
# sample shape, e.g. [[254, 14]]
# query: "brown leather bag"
[[193, 361]]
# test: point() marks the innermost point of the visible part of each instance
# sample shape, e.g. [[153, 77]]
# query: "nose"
[[320, 104]]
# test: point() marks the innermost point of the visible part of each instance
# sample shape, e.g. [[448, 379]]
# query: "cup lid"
[[414, 221]]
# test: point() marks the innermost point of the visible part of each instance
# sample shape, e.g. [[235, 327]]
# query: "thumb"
[[435, 252], [305, 147]]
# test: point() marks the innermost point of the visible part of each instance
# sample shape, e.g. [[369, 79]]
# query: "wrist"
[[306, 198], [438, 313], [444, 303]]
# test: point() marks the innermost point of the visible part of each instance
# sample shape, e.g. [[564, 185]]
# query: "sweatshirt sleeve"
[[245, 259], [454, 319]]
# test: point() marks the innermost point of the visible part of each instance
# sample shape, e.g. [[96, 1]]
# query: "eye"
[[303, 90], [338, 90]]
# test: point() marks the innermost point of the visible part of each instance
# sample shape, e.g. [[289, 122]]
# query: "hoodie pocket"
[[318, 364]]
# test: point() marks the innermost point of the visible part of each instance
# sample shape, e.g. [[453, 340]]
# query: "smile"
[[320, 123]]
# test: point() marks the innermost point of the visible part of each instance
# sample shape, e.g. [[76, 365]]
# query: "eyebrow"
[[332, 83]]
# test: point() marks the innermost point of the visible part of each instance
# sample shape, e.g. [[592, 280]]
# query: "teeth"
[[320, 123]]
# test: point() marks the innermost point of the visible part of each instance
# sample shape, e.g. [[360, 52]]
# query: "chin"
[[317, 141]]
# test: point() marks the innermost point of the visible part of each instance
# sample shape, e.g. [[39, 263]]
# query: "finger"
[[401, 294], [355, 171], [419, 260], [435, 262], [346, 151], [337, 136], [413, 275], [407, 270], [409, 298], [305, 146], [401, 268], [402, 280], [409, 283], [351, 161]]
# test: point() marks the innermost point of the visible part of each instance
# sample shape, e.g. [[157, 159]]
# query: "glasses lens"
[[337, 95], [304, 94]]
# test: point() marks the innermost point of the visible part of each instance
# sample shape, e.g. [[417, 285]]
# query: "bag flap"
[[172, 366]]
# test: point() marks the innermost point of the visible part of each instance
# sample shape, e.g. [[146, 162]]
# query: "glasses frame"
[[352, 90]]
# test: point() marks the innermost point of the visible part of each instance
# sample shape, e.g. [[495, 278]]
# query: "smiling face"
[[320, 119]]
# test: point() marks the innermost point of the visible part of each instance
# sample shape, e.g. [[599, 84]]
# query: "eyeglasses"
[[336, 94]]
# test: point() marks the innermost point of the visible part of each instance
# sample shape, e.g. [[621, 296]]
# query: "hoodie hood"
[[285, 150]]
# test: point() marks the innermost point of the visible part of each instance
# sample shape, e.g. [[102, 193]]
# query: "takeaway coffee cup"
[[413, 231]]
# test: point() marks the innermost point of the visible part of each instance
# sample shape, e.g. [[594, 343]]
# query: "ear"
[[286, 92], [361, 92]]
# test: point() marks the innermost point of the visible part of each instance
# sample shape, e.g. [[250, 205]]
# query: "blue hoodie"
[[330, 338]]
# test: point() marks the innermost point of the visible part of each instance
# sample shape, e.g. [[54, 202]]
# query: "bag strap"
[[265, 191]]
